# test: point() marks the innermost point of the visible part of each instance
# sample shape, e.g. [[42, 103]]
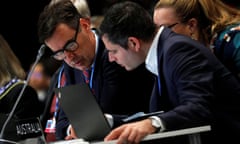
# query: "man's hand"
[[72, 134], [131, 133]]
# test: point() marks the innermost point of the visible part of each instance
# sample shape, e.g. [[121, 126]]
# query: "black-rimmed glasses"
[[169, 26], [172, 25], [70, 46]]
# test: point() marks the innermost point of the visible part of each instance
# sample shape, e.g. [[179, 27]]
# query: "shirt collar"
[[96, 48], [152, 60]]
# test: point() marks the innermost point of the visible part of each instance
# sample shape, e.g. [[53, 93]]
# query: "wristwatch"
[[155, 123]]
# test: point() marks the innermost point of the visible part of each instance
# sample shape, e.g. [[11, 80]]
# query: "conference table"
[[193, 135]]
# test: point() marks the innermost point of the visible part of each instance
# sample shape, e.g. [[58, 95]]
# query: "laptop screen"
[[83, 112]]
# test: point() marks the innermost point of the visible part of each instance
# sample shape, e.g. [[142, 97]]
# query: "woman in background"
[[12, 77], [211, 22]]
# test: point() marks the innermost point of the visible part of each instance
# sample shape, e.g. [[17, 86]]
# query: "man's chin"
[[128, 68], [123, 66], [78, 67]]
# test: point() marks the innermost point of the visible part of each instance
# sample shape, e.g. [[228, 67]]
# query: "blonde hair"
[[212, 15], [82, 7], [96, 21], [184, 11], [10, 66], [220, 14]]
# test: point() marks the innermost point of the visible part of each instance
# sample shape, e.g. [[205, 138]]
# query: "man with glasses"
[[72, 40]]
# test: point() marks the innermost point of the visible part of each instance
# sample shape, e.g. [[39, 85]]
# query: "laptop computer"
[[83, 112]]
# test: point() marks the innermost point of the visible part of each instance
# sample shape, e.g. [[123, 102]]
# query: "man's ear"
[[133, 43], [85, 23]]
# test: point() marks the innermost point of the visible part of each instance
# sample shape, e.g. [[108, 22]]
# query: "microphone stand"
[[40, 54]]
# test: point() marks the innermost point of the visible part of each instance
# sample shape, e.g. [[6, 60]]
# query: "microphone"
[[39, 55]]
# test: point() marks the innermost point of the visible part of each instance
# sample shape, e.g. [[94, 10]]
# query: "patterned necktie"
[[63, 80], [86, 74]]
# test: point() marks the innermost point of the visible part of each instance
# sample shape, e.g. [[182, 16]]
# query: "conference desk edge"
[[194, 135]]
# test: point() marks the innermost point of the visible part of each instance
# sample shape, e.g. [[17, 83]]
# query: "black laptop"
[[83, 112]]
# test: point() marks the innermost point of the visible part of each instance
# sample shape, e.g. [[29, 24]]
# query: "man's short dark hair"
[[55, 13], [126, 19]]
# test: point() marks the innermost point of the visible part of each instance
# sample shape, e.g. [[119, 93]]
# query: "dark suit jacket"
[[196, 88], [117, 90]]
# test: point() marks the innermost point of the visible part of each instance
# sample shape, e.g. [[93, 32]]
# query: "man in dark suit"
[[71, 39], [192, 86]]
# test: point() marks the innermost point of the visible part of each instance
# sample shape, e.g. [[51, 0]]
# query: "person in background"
[[82, 7], [192, 86], [96, 21], [212, 23], [12, 77], [41, 77], [69, 35]]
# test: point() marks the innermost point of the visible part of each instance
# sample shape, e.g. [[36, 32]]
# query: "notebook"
[[83, 112]]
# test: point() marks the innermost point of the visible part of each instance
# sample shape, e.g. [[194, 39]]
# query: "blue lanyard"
[[9, 84], [93, 65], [60, 76], [159, 85], [91, 76], [59, 85]]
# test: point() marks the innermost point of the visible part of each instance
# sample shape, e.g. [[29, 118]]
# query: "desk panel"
[[194, 136]]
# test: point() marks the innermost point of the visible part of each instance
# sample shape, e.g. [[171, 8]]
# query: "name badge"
[[50, 126], [28, 128]]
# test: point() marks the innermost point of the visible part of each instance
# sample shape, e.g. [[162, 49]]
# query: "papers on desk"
[[74, 141]]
